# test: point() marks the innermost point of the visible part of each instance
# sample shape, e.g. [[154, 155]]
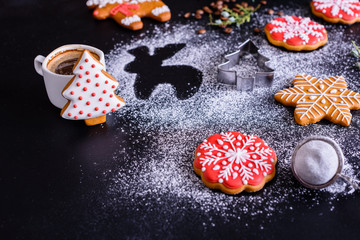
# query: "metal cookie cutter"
[[261, 79]]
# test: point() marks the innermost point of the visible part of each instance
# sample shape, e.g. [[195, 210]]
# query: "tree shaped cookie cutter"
[[230, 77]]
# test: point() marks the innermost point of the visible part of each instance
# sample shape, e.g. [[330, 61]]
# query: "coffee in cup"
[[63, 62], [57, 67]]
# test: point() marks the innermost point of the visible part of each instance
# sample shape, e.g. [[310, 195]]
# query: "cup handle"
[[38, 61]]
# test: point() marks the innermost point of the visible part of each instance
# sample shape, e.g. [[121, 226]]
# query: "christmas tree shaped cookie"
[[90, 93]]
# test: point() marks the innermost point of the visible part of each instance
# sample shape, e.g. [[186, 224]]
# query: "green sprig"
[[356, 53], [232, 15]]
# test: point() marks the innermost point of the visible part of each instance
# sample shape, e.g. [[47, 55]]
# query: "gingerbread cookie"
[[337, 11], [128, 13], [90, 92], [233, 162], [316, 99], [296, 33]]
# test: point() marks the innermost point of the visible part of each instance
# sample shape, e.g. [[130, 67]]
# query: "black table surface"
[[50, 189]]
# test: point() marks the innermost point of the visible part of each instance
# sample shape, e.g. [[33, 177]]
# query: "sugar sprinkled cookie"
[[128, 13], [316, 99], [90, 93], [337, 11], [296, 33], [233, 162]]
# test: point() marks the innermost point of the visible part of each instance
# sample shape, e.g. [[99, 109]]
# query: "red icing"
[[344, 9], [88, 109], [247, 158], [296, 30], [107, 104], [124, 8], [96, 12]]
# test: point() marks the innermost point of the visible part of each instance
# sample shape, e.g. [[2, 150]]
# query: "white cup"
[[55, 83]]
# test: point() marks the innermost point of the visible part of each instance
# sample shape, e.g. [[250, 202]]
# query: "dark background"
[[50, 186]]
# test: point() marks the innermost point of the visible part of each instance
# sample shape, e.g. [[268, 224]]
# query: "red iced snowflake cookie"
[[90, 93], [296, 33], [233, 162], [335, 11]]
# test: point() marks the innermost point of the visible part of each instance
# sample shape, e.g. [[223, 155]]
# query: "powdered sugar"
[[169, 129]]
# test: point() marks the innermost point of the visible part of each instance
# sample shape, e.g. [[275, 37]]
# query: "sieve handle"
[[353, 182]]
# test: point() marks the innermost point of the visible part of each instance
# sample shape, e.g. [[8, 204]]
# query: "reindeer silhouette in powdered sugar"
[[185, 79]]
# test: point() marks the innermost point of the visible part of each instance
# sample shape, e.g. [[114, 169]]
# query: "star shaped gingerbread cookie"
[[316, 99]]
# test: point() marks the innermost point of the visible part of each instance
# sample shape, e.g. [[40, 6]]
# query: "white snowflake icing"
[[235, 161], [347, 6], [318, 94], [301, 28]]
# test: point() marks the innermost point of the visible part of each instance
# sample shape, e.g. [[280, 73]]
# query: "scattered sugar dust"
[[160, 175]]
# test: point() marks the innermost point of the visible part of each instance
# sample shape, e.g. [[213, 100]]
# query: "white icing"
[[103, 3], [240, 160], [302, 28], [159, 10], [350, 7], [311, 90], [312, 109], [84, 95], [129, 20], [333, 91], [217, 167]]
